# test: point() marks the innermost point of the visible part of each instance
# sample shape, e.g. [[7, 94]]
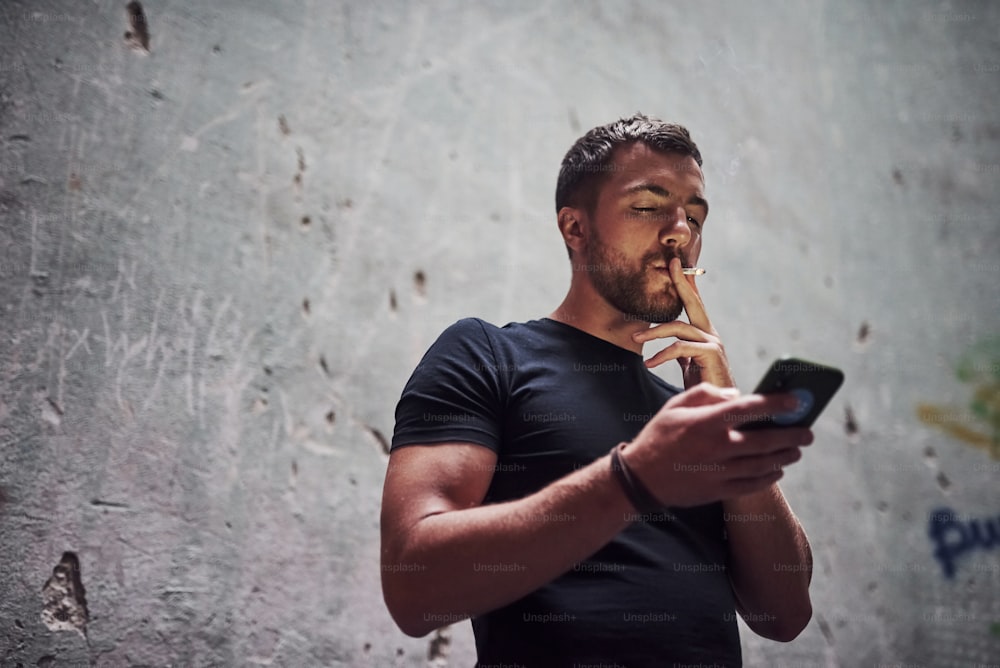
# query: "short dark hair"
[[589, 159]]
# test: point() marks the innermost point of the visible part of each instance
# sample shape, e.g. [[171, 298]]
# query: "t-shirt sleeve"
[[454, 393]]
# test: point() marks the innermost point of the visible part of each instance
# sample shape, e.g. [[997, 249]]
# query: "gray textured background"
[[220, 261]]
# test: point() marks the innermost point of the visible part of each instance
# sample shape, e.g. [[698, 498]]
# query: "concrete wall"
[[221, 259]]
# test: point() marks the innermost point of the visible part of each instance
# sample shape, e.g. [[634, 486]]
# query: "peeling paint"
[[64, 603]]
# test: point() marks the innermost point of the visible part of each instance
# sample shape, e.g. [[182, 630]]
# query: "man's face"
[[651, 208]]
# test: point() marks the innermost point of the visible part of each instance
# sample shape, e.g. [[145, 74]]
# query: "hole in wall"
[[64, 602], [420, 282], [850, 422]]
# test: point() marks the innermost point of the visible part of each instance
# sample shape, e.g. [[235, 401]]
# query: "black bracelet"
[[641, 498]]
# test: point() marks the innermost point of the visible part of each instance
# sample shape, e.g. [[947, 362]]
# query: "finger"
[[767, 442], [675, 350], [677, 328], [703, 394], [688, 292]]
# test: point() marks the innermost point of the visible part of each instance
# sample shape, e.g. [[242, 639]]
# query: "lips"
[[665, 273], [662, 262]]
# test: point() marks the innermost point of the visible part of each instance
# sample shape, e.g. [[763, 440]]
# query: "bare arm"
[[446, 557], [771, 564], [770, 557]]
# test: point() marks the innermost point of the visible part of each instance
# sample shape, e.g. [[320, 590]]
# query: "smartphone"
[[814, 385]]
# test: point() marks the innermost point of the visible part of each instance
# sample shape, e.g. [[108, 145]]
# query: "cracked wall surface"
[[229, 230]]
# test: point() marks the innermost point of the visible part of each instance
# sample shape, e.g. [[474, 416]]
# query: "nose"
[[676, 230]]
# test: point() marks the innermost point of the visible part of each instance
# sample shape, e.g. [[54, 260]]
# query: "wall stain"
[[574, 121], [437, 649], [137, 37], [978, 424], [850, 422], [379, 437], [825, 629], [863, 331]]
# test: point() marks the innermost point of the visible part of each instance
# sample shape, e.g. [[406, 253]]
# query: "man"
[[508, 497]]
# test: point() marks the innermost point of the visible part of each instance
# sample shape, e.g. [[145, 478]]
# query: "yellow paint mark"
[[951, 422], [978, 366]]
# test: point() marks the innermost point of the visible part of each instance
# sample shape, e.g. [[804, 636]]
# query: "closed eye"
[[647, 209]]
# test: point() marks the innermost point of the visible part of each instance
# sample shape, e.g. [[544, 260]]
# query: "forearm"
[[771, 563], [467, 562]]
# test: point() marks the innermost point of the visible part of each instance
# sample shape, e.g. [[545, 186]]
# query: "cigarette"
[[692, 271]]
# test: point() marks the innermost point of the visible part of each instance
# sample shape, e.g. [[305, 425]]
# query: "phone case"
[[814, 384]]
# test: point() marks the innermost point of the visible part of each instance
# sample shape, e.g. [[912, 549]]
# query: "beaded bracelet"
[[637, 493]]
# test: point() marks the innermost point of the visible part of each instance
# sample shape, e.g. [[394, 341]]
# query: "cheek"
[[694, 251]]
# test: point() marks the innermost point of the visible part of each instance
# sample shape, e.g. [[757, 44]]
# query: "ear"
[[573, 226]]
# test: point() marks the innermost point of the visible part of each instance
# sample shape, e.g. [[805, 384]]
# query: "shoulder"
[[477, 333], [489, 347], [468, 337], [467, 346], [468, 329]]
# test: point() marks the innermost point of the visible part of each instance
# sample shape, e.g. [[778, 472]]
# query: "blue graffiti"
[[954, 537]]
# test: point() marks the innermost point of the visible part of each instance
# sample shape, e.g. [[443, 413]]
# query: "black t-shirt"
[[548, 399]]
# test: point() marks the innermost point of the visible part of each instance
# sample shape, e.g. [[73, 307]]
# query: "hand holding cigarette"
[[698, 348]]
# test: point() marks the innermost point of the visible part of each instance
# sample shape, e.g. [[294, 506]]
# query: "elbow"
[[411, 625], [418, 623], [788, 626], [409, 610], [403, 613], [401, 592]]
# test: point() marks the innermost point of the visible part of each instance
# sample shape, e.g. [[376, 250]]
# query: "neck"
[[584, 309]]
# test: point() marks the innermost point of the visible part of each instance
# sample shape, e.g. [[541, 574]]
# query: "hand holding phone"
[[813, 384]]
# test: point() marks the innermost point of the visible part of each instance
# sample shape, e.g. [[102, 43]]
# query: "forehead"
[[637, 163]]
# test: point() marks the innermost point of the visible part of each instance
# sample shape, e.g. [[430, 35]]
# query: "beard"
[[633, 291]]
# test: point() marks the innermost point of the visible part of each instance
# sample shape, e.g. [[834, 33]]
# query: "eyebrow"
[[662, 192]]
